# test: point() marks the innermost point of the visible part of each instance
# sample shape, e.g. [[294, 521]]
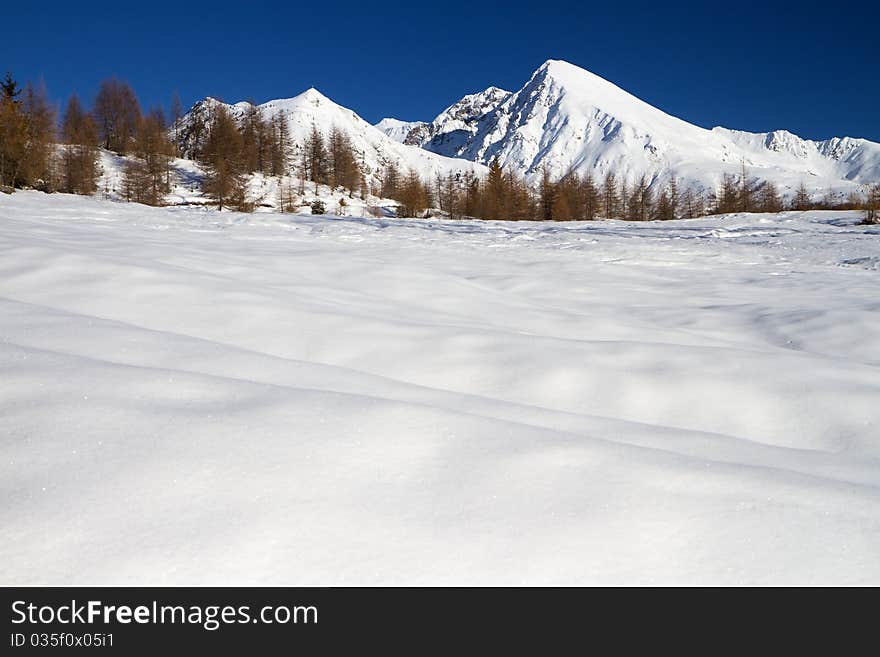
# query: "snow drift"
[[193, 397]]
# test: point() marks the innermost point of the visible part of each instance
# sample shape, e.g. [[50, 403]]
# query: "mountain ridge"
[[566, 118], [373, 148]]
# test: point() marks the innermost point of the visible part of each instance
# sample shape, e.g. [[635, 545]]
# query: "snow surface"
[[193, 397]]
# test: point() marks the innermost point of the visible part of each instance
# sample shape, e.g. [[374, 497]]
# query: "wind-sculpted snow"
[[196, 397]]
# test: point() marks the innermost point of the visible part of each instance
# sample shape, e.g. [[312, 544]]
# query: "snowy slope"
[[566, 118], [454, 126], [374, 148], [399, 130], [264, 192], [193, 397]]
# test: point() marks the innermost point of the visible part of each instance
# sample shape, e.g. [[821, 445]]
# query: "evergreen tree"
[[9, 88]]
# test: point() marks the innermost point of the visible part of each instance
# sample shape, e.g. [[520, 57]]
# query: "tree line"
[[38, 151], [585, 197]]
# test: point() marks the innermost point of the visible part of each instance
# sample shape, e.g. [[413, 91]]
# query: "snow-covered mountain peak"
[[473, 106], [450, 132], [399, 130], [566, 118], [375, 150]]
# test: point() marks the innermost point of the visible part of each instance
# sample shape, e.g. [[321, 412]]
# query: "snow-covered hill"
[[374, 148], [566, 118]]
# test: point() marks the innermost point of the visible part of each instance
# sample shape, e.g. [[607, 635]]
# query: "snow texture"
[[193, 397]]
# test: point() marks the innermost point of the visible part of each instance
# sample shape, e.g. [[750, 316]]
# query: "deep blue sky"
[[744, 65]]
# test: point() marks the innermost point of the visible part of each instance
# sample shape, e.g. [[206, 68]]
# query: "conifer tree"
[[413, 196], [316, 157], [495, 193], [256, 141], [38, 162], [639, 206], [280, 146], [117, 113], [13, 132], [692, 204], [222, 157], [768, 199], [590, 195], [872, 204], [390, 180], [801, 200], [546, 196], [79, 158], [674, 198], [344, 169], [610, 200], [728, 196], [663, 207], [746, 191], [521, 204], [146, 178], [176, 116]]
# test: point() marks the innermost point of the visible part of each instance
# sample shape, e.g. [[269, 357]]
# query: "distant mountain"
[[566, 118], [453, 127], [374, 148], [399, 130]]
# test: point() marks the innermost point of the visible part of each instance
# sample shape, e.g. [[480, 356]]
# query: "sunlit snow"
[[194, 397]]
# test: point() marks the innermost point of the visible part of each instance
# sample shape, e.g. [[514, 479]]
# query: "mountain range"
[[566, 119]]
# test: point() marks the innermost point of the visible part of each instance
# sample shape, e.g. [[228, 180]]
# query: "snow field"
[[193, 397]]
